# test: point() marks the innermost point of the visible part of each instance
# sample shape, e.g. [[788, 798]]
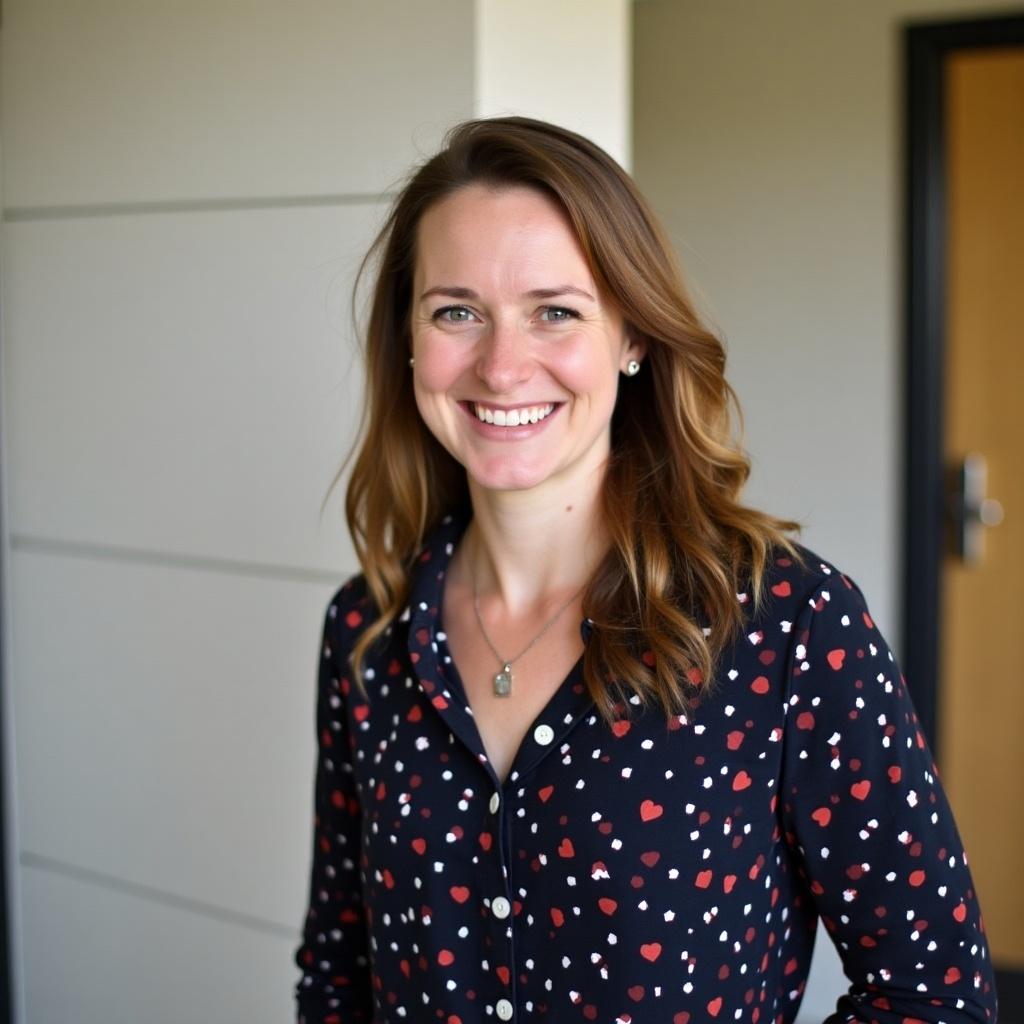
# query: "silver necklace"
[[502, 680]]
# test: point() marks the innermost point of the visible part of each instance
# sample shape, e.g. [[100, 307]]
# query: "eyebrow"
[[456, 292]]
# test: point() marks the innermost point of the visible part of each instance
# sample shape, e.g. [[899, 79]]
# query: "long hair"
[[664, 600]]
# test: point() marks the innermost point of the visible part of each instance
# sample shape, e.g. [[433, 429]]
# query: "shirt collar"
[[566, 707]]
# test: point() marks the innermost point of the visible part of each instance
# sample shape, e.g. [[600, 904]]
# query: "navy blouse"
[[646, 873]]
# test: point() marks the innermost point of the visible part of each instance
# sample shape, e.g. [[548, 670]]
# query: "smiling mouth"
[[511, 417]]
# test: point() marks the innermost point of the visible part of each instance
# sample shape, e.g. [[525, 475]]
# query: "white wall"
[[769, 137], [566, 61], [187, 189]]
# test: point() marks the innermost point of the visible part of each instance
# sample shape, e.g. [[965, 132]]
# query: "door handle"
[[970, 508]]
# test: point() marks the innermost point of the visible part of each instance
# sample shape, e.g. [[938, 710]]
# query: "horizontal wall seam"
[[14, 214], [152, 894], [174, 560]]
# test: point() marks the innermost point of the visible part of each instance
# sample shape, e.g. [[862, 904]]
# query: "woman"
[[597, 742]]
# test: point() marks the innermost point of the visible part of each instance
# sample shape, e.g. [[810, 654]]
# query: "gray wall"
[[768, 136], [186, 190]]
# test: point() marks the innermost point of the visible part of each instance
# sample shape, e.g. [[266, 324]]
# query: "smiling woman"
[[509, 349], [597, 741]]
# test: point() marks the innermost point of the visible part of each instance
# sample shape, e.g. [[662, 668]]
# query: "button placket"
[[500, 905]]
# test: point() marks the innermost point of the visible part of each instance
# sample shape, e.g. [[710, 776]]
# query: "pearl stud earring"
[[632, 368]]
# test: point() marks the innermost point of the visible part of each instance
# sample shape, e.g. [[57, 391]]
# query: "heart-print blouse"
[[647, 873]]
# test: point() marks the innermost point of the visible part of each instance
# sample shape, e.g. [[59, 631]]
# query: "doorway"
[[964, 522]]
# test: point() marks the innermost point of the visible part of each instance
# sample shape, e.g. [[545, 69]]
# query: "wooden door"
[[981, 633]]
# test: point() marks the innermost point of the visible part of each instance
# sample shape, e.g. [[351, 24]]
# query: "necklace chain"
[[503, 678]]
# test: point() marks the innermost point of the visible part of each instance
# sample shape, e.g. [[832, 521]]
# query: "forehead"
[[495, 231]]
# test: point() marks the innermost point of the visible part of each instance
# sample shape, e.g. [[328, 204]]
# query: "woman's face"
[[517, 357]]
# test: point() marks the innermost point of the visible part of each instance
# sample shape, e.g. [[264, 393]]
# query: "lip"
[[523, 431]]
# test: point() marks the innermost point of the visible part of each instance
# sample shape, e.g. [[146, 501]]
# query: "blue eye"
[[570, 313], [439, 314]]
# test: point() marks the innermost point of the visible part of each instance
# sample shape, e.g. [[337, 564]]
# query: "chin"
[[508, 478]]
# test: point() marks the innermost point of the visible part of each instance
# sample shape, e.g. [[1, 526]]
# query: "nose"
[[504, 360]]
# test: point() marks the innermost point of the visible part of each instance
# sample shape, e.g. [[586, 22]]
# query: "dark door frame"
[[926, 46], [8, 940]]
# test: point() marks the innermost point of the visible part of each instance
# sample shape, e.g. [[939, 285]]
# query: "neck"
[[529, 547]]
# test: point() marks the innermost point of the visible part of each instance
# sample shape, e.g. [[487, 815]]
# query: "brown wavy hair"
[[682, 546]]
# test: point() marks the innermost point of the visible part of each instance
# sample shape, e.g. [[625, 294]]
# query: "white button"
[[504, 1009], [495, 801], [500, 906], [544, 734]]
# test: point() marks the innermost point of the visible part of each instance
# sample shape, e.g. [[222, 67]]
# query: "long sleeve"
[[333, 957], [870, 827]]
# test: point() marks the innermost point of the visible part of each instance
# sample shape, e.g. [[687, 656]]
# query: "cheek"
[[588, 372], [439, 365]]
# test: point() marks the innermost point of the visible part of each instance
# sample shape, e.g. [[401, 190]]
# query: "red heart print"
[[459, 893], [649, 810], [565, 848], [703, 879], [650, 951], [419, 845], [822, 816], [895, 774], [861, 789], [608, 905], [715, 1006], [836, 658], [742, 781], [544, 793], [621, 727]]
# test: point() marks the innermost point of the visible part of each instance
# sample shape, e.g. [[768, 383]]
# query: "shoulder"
[[796, 587], [349, 611]]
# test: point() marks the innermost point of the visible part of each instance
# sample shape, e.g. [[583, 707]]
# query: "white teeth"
[[512, 417]]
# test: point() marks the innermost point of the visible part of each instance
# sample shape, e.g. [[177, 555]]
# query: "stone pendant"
[[503, 681]]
